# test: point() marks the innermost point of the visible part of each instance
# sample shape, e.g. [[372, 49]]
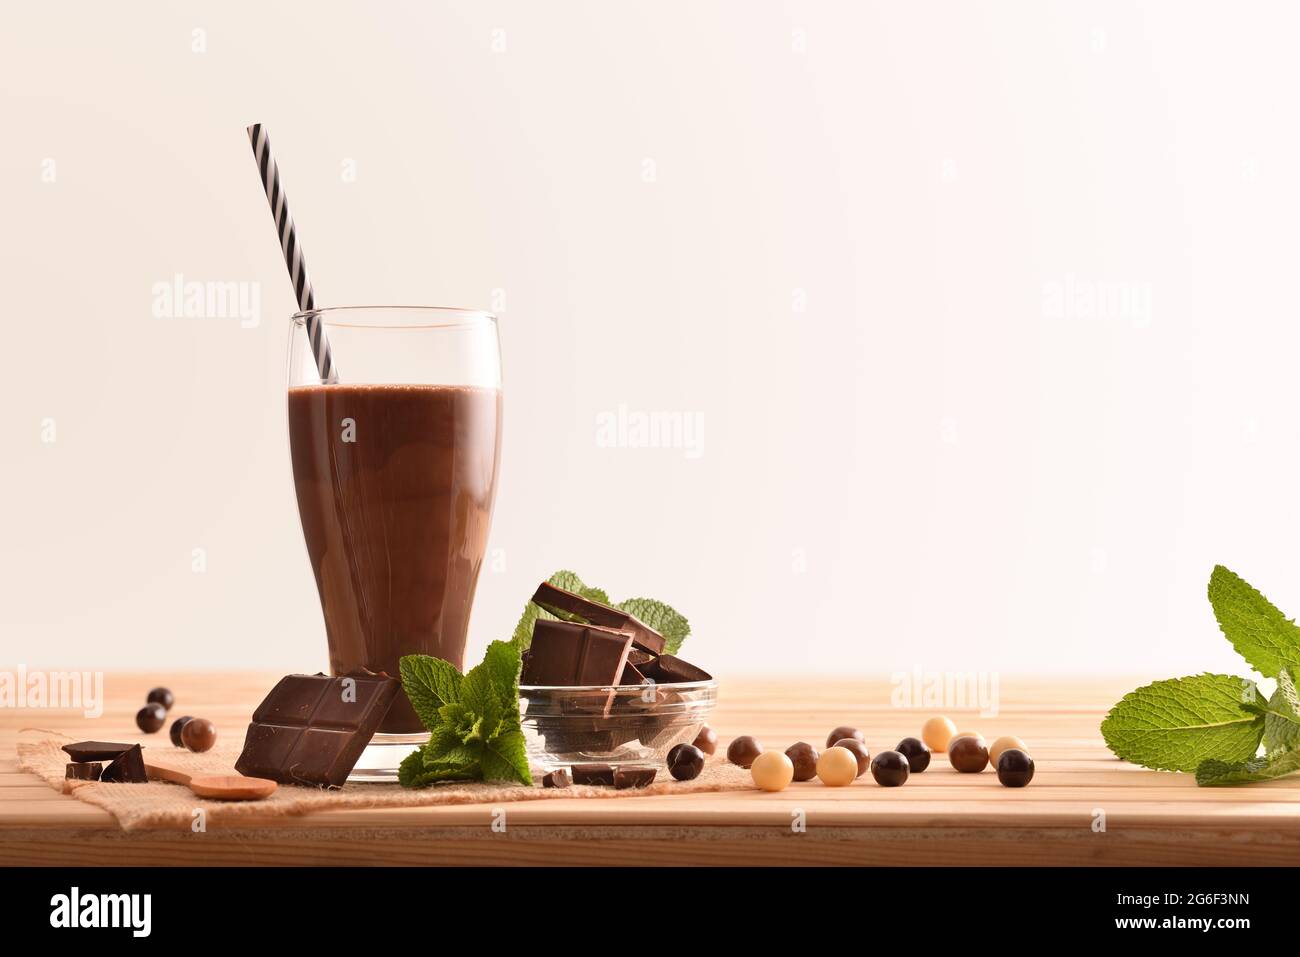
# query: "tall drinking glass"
[[395, 468]]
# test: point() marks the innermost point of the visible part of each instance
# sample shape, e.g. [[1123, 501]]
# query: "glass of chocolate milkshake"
[[395, 468]]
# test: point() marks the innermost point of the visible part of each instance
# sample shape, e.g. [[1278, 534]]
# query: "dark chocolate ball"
[[917, 754], [685, 762], [707, 740], [1015, 768], [162, 696], [151, 717], [804, 758], [177, 726], [859, 750], [198, 734], [842, 732], [968, 754], [744, 750], [890, 769]]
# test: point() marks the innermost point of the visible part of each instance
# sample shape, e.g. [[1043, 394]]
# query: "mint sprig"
[[1213, 724], [473, 719], [663, 618]]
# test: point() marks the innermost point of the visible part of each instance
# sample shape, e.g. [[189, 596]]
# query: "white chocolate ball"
[[937, 732], [837, 767], [772, 771], [1002, 744]]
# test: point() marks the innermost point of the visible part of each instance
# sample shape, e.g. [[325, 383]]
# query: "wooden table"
[[939, 817]]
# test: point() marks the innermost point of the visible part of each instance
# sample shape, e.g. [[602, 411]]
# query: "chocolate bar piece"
[[558, 778], [669, 668], [631, 676], [633, 777], [311, 729], [559, 601], [95, 750], [600, 774], [570, 653], [84, 771], [127, 767]]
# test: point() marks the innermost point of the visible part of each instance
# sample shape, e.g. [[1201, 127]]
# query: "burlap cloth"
[[161, 805]]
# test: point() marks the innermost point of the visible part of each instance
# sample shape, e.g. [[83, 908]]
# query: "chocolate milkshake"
[[395, 486]]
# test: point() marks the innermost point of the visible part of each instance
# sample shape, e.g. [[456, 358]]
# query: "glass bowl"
[[624, 724]]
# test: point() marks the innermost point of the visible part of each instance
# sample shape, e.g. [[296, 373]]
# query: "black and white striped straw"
[[292, 250]]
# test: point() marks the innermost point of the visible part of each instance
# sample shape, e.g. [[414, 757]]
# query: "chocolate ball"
[[937, 732], [685, 762], [842, 732], [859, 751], [198, 734], [1015, 768], [162, 696], [804, 758], [707, 740], [151, 717], [772, 771], [744, 750], [968, 754], [917, 754], [177, 726], [890, 769]]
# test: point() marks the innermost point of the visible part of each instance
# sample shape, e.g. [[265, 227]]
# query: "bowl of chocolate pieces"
[[600, 686]]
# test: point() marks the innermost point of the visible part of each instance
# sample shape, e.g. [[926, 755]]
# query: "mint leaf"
[[1260, 633], [1177, 724], [523, 633], [505, 758], [412, 773], [1218, 773], [429, 683], [1282, 716], [669, 622]]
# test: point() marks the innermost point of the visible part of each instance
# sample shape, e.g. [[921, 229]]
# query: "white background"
[[924, 467]]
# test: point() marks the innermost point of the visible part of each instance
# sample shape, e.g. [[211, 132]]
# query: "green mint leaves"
[[669, 622], [1259, 632], [1174, 725], [473, 719], [1213, 724]]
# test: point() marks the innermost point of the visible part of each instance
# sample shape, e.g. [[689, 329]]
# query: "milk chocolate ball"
[[967, 754], [744, 750], [842, 732], [804, 758], [199, 734], [707, 740]]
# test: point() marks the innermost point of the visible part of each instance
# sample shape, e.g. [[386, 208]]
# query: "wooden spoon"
[[221, 787]]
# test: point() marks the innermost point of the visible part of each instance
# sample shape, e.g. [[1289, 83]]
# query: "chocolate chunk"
[[127, 767], [311, 729], [668, 669], [569, 653], [559, 778], [84, 771], [633, 777], [566, 603], [95, 750], [601, 774]]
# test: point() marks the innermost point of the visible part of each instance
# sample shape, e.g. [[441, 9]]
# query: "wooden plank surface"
[[938, 817]]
